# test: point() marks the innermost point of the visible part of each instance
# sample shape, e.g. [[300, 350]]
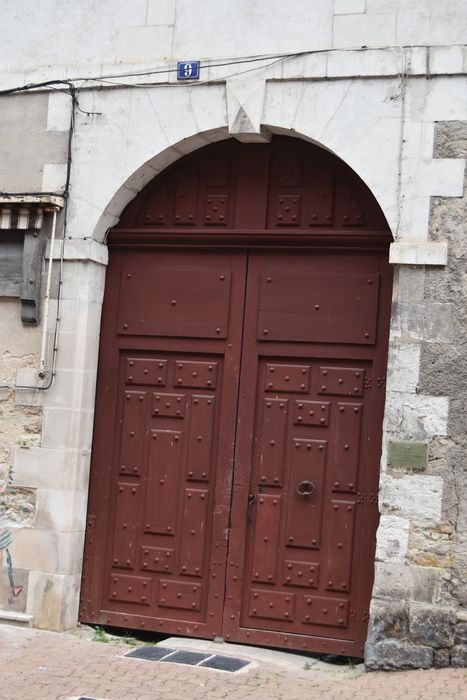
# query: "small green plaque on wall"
[[407, 455]]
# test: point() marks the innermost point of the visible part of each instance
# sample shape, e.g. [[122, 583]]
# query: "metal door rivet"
[[266, 539], [140, 398], [320, 447], [336, 484], [125, 326], [222, 277], [341, 409], [356, 410], [323, 388], [351, 486], [317, 307], [336, 507], [268, 279], [265, 331], [346, 447], [339, 545], [370, 281], [367, 335]]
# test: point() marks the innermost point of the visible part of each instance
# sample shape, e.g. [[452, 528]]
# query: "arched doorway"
[[240, 401]]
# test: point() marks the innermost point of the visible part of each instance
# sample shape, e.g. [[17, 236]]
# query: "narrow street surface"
[[38, 665]]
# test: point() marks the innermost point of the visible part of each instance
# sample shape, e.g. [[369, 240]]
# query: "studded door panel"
[[311, 525], [164, 493], [156, 542], [310, 406]]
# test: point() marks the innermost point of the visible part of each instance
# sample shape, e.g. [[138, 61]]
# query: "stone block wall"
[[419, 609]]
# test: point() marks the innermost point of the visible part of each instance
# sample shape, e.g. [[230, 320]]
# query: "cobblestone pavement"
[[37, 665]]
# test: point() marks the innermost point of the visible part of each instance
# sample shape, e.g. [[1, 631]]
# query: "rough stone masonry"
[[419, 611]]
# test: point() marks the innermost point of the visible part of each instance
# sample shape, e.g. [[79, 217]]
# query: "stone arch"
[[151, 168]]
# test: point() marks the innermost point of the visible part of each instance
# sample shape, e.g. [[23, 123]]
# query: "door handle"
[[305, 488], [251, 502]]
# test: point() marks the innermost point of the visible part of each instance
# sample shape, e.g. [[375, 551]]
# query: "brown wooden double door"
[[236, 446]]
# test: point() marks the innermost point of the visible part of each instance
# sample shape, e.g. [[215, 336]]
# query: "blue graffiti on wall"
[[6, 539]]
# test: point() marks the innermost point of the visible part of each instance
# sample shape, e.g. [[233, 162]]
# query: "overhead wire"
[[213, 63]]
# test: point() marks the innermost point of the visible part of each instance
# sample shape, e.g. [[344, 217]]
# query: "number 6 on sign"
[[188, 70]]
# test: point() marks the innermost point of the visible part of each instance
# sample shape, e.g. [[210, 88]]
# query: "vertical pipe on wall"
[[42, 362]]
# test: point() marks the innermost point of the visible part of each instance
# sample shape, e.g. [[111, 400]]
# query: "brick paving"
[[39, 665]]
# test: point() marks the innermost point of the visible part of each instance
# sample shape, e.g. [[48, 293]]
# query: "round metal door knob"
[[305, 488]]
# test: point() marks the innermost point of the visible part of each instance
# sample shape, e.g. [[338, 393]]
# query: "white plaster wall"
[[63, 38]]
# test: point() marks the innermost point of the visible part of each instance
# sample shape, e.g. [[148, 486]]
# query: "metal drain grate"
[[225, 663], [150, 653], [186, 657], [217, 662]]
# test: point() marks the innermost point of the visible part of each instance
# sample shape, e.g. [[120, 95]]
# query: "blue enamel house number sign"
[[188, 70]]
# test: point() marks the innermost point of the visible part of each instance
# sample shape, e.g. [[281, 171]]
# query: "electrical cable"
[[66, 192], [70, 82]]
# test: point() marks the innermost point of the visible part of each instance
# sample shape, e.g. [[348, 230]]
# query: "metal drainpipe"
[[42, 362]]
